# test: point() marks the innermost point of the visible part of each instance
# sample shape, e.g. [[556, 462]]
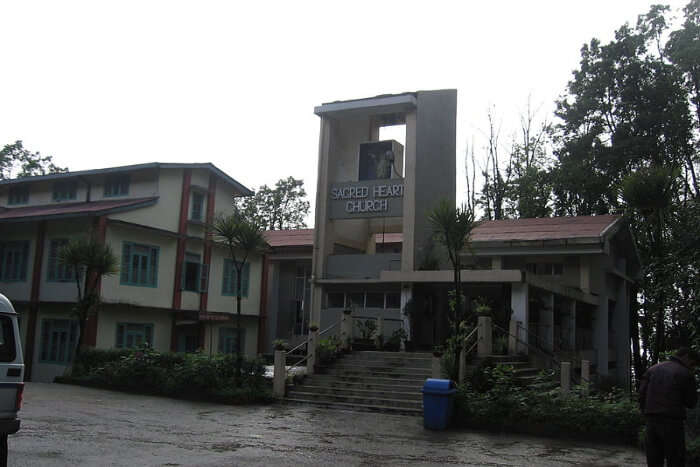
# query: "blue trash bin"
[[438, 399]]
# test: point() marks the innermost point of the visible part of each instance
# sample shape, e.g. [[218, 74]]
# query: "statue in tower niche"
[[377, 160]]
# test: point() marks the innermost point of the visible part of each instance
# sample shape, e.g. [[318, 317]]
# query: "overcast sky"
[[99, 84]]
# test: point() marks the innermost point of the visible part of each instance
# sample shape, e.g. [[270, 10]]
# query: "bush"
[[91, 359], [500, 404], [188, 376]]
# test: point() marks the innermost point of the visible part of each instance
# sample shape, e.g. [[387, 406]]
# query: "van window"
[[8, 352]]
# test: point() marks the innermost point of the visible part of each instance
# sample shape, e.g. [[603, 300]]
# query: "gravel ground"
[[68, 425]]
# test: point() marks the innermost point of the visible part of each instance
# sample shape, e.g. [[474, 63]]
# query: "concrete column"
[[519, 303], [462, 365], [585, 372], [406, 294], [513, 337], [485, 336], [546, 323], [346, 331], [585, 274], [497, 262], [622, 334], [313, 342], [436, 367], [600, 334], [565, 376], [379, 333], [279, 379]]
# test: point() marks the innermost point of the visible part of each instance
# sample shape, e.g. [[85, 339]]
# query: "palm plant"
[[452, 226], [89, 259], [243, 237]]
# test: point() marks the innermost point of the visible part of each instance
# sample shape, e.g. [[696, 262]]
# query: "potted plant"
[[367, 330], [438, 350], [482, 308], [313, 327], [347, 311], [279, 344]]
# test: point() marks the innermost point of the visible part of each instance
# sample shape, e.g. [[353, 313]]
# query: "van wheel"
[[3, 450]]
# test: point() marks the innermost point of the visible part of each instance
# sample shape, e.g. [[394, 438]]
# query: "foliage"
[[394, 341], [282, 207], [367, 328], [90, 259], [16, 161], [279, 344], [187, 376], [499, 403], [328, 350], [243, 237]]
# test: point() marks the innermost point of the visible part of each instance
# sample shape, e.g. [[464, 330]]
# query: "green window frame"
[[139, 265], [227, 340], [58, 338], [229, 281], [65, 191], [56, 271], [134, 335], [18, 195], [197, 208], [14, 256], [116, 185], [194, 274]]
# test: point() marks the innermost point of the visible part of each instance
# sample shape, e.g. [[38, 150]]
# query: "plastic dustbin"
[[438, 399]]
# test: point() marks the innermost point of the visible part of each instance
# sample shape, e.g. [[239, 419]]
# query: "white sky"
[[99, 84]]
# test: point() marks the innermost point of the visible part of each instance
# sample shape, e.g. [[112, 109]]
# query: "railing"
[[476, 342], [308, 354]]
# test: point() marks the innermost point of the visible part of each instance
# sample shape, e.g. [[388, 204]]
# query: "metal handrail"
[[470, 334], [306, 342], [307, 339]]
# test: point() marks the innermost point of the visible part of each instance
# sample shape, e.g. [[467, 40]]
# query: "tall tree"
[[243, 237], [90, 260], [16, 161], [279, 208]]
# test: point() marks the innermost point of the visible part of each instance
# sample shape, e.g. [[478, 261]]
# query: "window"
[[13, 261], [375, 300], [58, 337], [8, 351], [230, 282], [116, 185], [336, 300], [356, 300], [197, 210], [18, 195], [133, 335], [192, 270], [64, 191], [393, 300], [139, 265], [57, 271], [227, 340]]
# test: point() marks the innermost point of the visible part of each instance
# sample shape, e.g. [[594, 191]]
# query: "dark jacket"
[[666, 389]]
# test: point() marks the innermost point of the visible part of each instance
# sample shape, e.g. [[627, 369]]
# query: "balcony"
[[361, 266]]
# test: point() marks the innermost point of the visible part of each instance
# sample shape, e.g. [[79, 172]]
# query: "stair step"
[[362, 407], [364, 383], [372, 379], [361, 400], [374, 374], [379, 353], [382, 368], [414, 395]]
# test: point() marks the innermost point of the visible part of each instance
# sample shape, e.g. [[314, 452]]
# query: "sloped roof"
[[548, 228], [297, 237], [28, 213]]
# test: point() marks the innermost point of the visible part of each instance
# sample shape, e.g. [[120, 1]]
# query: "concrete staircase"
[[377, 381]]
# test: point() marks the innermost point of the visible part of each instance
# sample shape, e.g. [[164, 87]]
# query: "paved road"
[[66, 425]]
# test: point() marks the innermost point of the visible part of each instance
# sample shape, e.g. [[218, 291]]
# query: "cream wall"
[[166, 212], [160, 296], [249, 324], [42, 193], [110, 316], [226, 303], [142, 184], [21, 290]]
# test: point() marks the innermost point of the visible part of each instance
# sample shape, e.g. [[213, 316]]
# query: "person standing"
[[665, 391]]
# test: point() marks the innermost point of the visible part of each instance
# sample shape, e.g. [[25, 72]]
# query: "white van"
[[11, 373]]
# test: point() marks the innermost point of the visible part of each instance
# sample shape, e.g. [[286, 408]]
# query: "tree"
[[243, 237], [90, 260], [16, 161], [279, 208], [453, 226]]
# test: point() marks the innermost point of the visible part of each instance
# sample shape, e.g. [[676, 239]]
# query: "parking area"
[[66, 425]]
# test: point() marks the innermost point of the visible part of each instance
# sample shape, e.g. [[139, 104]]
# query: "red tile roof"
[[73, 209], [297, 237], [549, 228]]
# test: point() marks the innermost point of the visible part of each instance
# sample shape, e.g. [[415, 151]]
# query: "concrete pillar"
[[462, 365], [585, 273], [436, 367], [513, 337], [546, 323], [279, 379], [379, 333], [406, 294], [346, 331], [600, 334], [313, 342], [496, 262], [519, 303], [622, 334], [485, 336], [585, 372], [565, 376]]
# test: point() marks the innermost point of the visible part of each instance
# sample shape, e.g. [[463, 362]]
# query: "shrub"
[[91, 359]]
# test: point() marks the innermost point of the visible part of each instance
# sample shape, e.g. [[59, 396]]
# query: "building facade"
[[175, 289]]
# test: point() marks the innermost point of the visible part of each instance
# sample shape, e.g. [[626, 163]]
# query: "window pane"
[[393, 300], [336, 300], [7, 337], [357, 299], [375, 300]]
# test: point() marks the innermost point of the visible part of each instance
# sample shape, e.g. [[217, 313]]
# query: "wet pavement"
[[67, 425]]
